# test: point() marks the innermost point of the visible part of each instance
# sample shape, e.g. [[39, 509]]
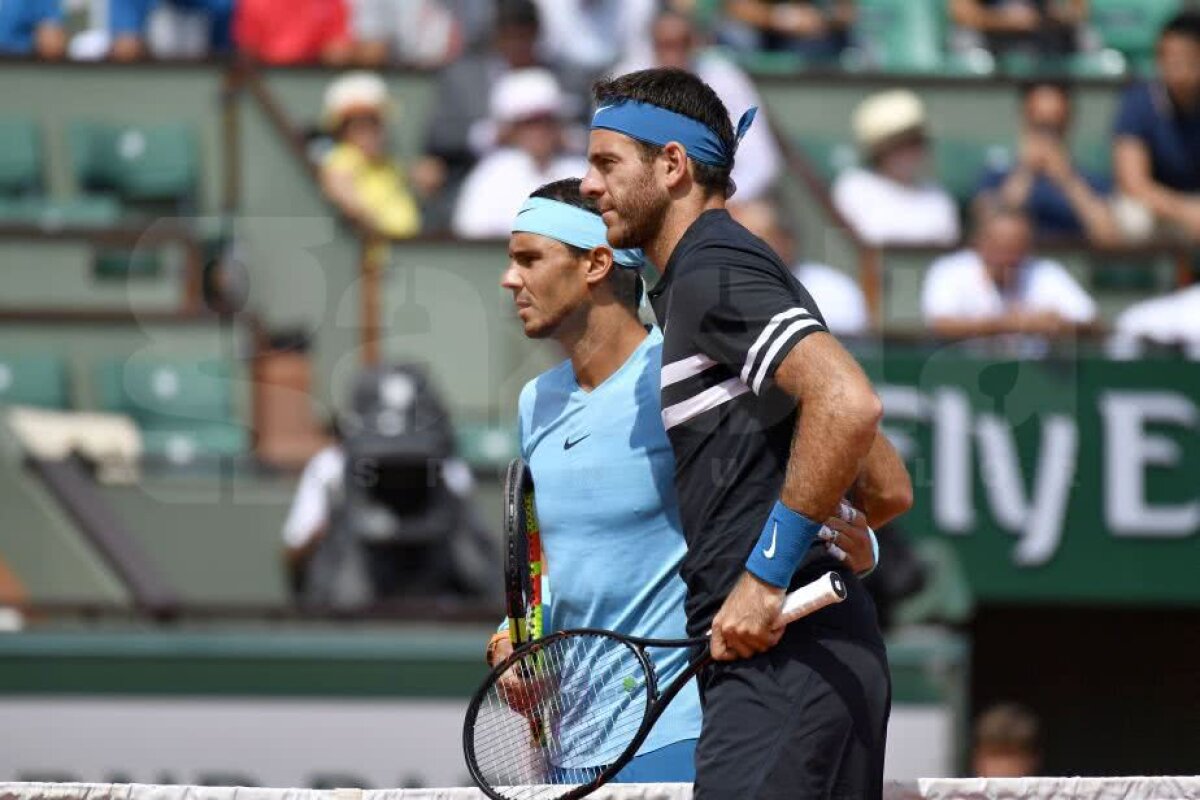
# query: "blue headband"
[[656, 125], [571, 225]]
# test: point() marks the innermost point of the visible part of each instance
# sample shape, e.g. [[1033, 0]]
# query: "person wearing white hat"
[[889, 199], [527, 110], [358, 175]]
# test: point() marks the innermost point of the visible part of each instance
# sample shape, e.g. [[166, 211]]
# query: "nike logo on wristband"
[[770, 551]]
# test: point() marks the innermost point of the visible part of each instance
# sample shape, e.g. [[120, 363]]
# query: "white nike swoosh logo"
[[602, 108], [770, 551]]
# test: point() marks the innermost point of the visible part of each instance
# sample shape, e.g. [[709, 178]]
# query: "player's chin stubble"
[[640, 216]]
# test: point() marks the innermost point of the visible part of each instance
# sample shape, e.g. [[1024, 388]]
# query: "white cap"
[[354, 91], [526, 93], [885, 115]]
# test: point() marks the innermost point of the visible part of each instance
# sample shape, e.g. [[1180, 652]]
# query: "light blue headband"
[[571, 225], [656, 125]]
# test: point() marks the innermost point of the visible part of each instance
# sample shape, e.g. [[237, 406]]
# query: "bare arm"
[[1131, 163], [1011, 19], [883, 489], [836, 427], [1093, 211], [835, 431], [1040, 323]]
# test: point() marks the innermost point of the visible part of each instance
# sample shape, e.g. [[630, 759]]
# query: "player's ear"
[[673, 158], [600, 264]]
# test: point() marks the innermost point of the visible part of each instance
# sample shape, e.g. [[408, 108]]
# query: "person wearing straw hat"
[[527, 110], [889, 199], [358, 175]]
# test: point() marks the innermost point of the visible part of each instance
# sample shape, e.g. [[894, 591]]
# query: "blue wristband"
[[782, 546]]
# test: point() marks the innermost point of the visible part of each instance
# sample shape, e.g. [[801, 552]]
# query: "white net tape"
[[1139, 788]]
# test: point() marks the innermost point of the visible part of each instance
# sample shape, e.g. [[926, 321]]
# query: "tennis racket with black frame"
[[593, 695], [522, 565]]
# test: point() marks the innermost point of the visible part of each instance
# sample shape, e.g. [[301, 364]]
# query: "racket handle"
[[824, 591]]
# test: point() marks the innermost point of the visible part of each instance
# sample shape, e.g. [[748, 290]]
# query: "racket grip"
[[824, 591]]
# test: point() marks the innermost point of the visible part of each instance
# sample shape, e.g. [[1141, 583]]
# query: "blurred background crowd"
[[273, 377]]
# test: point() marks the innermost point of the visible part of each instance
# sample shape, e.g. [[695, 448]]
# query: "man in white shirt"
[[675, 43], [527, 107], [890, 200], [999, 287], [1171, 320], [838, 296], [307, 524], [589, 36]]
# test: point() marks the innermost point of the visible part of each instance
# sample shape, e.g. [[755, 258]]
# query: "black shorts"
[[806, 719]]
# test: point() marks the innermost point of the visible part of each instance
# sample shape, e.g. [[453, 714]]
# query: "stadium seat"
[[901, 35], [80, 212], [183, 408], [20, 158], [138, 164], [486, 446], [33, 380], [1132, 26], [961, 163]]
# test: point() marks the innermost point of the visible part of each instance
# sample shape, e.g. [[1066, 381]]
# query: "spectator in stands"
[[676, 44], [168, 28], [835, 293], [319, 491], [814, 29], [1061, 197], [586, 38], [1007, 743], [32, 27], [1036, 27], [357, 174], [1156, 150], [889, 200], [527, 106], [422, 33], [998, 286], [293, 31], [459, 129], [1171, 321]]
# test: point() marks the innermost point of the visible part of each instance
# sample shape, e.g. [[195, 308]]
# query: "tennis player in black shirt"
[[773, 423]]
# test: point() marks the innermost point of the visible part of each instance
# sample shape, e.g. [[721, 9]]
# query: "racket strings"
[[558, 716]]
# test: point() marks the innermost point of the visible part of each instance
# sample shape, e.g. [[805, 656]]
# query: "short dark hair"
[[1185, 23], [1030, 86], [517, 14], [682, 92], [626, 283], [1008, 727]]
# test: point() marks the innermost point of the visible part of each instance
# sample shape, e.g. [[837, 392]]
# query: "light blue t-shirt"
[[612, 542]]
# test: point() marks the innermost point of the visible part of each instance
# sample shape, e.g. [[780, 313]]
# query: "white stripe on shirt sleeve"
[[765, 336], [780, 340]]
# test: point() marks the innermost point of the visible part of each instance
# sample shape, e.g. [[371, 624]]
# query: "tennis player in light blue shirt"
[[592, 435]]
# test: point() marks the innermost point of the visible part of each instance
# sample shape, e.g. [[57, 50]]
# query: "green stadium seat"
[[183, 408], [902, 35], [81, 212], [829, 154], [961, 163], [138, 164], [33, 380], [1132, 26], [488, 446], [20, 157]]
